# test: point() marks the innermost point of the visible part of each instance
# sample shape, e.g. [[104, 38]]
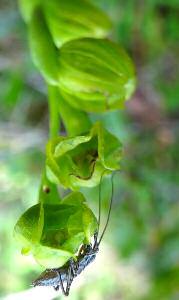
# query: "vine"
[[85, 72]]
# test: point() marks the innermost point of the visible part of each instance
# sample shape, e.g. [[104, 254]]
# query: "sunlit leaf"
[[66, 226], [28, 228], [50, 257]]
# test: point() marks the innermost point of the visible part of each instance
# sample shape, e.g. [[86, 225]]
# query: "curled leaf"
[[95, 74], [64, 228], [81, 160]]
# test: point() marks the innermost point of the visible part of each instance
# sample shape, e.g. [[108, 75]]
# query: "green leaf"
[[75, 199], [95, 74], [44, 52], [88, 224], [53, 233], [50, 257], [28, 228], [73, 19], [72, 244], [81, 160], [27, 8]]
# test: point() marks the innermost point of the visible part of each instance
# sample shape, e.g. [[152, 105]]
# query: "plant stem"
[[54, 116], [51, 194], [76, 122]]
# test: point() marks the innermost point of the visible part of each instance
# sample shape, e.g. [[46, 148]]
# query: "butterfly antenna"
[[110, 206], [99, 205]]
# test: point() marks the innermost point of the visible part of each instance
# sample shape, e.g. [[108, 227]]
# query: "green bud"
[[81, 160], [95, 74], [72, 19], [57, 238]]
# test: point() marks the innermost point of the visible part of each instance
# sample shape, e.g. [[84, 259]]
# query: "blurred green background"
[[139, 257]]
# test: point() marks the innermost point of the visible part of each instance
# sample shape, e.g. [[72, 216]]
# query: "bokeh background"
[[139, 257]]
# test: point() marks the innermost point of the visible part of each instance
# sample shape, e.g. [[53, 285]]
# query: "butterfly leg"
[[70, 278], [74, 267], [61, 285], [95, 239], [56, 287]]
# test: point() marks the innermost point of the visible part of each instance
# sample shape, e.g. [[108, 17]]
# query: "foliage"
[[91, 75], [144, 224]]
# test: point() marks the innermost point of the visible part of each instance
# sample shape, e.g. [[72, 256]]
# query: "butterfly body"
[[49, 277], [59, 277]]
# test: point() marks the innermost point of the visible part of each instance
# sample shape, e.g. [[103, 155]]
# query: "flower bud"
[[68, 19], [72, 19], [81, 160], [95, 75], [53, 233]]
